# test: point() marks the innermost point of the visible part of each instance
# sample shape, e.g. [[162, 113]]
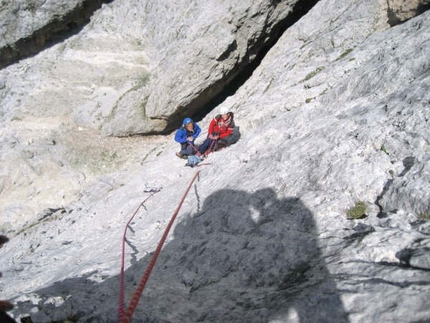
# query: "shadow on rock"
[[241, 258]]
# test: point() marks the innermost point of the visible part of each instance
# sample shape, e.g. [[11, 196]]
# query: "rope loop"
[[124, 239], [125, 317]]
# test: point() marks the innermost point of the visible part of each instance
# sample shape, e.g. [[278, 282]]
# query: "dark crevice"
[[382, 214], [214, 95], [408, 162], [73, 22], [51, 34], [403, 284]]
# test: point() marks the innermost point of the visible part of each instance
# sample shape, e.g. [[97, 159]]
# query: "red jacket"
[[221, 127]]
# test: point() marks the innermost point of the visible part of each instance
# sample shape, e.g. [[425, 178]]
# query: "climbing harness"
[[195, 148], [211, 146]]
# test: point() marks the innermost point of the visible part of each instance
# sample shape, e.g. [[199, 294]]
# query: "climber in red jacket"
[[220, 128]]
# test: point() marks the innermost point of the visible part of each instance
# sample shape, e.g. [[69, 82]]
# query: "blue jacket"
[[182, 134]]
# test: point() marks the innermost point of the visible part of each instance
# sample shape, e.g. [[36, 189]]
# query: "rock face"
[[319, 213], [199, 57], [168, 74], [30, 26], [399, 10]]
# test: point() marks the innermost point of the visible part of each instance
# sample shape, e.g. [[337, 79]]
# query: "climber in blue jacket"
[[186, 135]]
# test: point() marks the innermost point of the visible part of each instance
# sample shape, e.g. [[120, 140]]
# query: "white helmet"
[[224, 110]]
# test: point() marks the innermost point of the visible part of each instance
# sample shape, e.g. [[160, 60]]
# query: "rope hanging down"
[[124, 238], [126, 317]]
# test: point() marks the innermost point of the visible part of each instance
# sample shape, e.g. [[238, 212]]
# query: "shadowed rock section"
[[400, 11], [59, 26], [241, 258]]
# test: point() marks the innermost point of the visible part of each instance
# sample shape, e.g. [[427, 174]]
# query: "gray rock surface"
[[335, 115], [209, 45], [29, 26], [151, 63]]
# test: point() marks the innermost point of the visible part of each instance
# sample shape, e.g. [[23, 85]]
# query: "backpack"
[[193, 160]]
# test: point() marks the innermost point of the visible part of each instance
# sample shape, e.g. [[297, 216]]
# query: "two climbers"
[[222, 132]]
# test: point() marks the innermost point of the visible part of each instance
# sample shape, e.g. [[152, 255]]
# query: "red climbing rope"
[[126, 317], [124, 238]]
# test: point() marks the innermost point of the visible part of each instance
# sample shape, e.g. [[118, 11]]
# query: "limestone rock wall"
[[170, 60], [28, 27], [141, 67], [319, 213]]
